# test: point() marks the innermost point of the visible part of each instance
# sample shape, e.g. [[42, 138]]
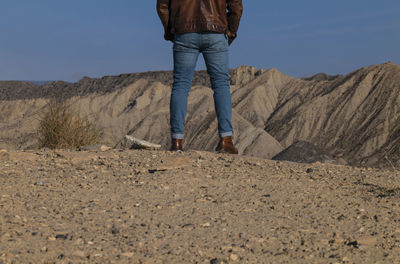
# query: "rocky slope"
[[193, 207], [305, 152], [353, 118], [356, 117], [19, 90], [11, 90]]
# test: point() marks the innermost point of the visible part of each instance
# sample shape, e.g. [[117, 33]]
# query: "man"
[[207, 27]]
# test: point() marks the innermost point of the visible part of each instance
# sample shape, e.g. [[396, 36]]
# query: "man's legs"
[[214, 47], [216, 57], [186, 53]]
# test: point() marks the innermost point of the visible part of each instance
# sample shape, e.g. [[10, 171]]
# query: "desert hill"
[[19, 90], [352, 118], [322, 77], [356, 117], [9, 90]]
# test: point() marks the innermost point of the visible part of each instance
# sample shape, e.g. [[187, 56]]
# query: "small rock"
[[79, 254], [217, 261], [99, 147], [206, 225], [367, 241], [114, 230], [234, 257], [40, 183], [353, 243], [4, 154], [127, 254], [345, 259], [62, 236], [309, 170], [134, 143], [105, 148]]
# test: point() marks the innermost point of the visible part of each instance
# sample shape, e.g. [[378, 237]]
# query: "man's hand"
[[168, 36], [231, 37], [163, 13], [235, 10]]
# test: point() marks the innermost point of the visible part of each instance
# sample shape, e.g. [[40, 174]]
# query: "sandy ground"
[[193, 207]]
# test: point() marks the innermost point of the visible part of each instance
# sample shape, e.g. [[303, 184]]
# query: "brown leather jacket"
[[185, 16]]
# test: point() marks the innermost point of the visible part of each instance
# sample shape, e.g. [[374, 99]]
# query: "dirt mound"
[[193, 207], [305, 152]]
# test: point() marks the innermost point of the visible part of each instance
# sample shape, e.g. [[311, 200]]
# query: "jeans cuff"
[[177, 136], [226, 134]]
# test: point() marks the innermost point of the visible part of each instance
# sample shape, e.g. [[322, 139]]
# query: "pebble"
[[234, 257], [61, 236], [114, 230], [367, 241], [127, 254], [79, 254], [345, 259], [99, 147], [217, 261], [105, 148], [40, 183]]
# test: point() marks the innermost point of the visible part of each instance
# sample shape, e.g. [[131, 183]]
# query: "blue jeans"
[[214, 47]]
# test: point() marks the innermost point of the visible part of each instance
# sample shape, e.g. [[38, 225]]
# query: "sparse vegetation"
[[62, 127]]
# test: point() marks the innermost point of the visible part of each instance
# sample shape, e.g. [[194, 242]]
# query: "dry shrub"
[[61, 127]]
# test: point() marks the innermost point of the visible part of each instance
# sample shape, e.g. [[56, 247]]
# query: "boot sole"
[[222, 151]]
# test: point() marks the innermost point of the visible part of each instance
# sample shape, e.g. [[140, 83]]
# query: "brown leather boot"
[[225, 145], [177, 144]]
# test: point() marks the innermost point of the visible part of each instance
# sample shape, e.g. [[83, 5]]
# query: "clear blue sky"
[[65, 40]]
